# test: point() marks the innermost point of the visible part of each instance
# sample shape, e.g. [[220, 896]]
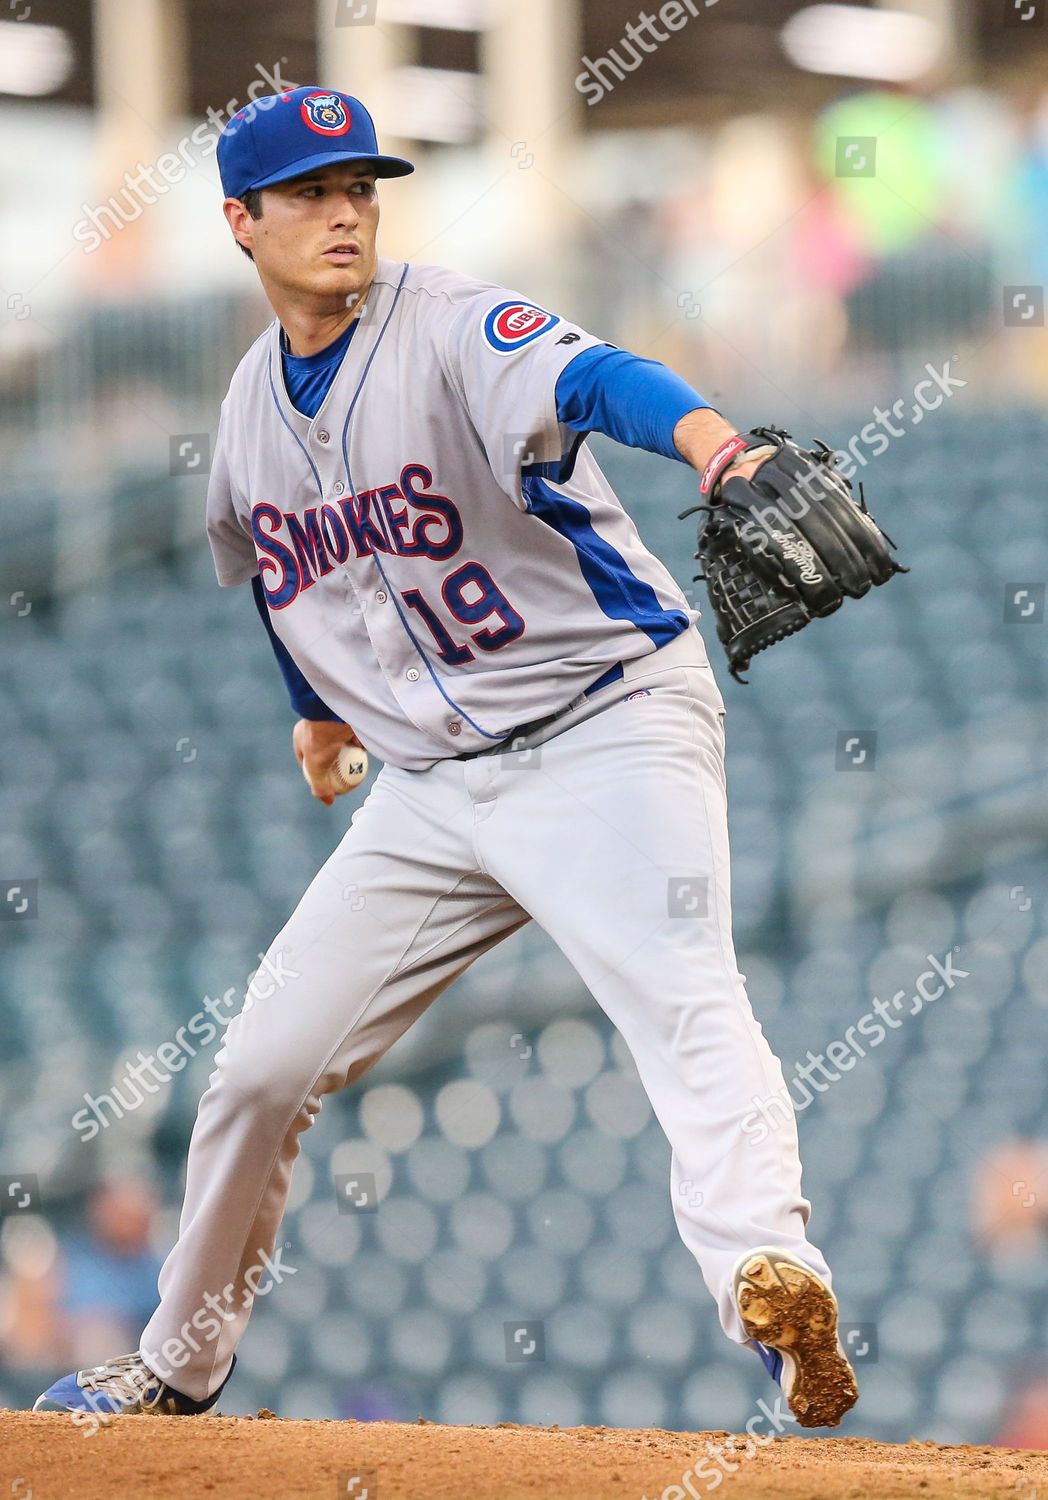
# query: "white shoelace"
[[126, 1378]]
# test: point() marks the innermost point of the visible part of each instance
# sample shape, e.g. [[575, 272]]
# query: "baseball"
[[349, 769]]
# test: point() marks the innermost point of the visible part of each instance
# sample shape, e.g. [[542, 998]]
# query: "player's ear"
[[241, 222]]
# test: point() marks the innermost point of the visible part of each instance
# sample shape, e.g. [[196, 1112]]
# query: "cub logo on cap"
[[326, 113], [511, 325]]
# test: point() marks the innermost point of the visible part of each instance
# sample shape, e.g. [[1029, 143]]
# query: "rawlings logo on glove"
[[784, 546], [796, 549]]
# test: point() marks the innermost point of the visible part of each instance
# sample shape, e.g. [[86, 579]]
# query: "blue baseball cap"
[[281, 136]]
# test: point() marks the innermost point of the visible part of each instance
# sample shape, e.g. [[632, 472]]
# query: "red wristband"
[[725, 454]]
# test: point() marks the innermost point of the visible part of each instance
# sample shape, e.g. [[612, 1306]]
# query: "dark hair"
[[252, 201]]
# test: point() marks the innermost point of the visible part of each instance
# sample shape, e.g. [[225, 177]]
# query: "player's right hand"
[[316, 744]]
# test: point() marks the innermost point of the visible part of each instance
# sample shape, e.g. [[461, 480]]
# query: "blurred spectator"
[[86, 1296], [376, 1401], [1027, 1422], [1011, 1199]]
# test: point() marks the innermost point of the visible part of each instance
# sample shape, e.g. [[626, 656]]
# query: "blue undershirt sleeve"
[[306, 703], [636, 401]]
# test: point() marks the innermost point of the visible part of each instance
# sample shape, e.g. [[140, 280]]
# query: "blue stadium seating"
[[146, 782]]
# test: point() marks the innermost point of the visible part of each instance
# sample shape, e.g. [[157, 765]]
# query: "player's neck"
[[308, 330]]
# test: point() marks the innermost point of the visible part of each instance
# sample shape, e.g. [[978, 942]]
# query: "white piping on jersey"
[[294, 434]]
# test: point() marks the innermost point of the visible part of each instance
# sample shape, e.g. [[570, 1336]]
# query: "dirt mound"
[[47, 1457]]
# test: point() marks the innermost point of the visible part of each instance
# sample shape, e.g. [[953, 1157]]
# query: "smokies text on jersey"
[[406, 518]]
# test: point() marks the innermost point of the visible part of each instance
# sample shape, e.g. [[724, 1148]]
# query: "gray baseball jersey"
[[442, 558]]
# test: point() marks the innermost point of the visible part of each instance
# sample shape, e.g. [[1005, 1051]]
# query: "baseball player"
[[402, 477]]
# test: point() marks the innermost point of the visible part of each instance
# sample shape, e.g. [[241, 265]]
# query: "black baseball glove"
[[784, 546]]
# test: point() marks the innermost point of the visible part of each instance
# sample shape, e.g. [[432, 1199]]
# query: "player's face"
[[316, 236]]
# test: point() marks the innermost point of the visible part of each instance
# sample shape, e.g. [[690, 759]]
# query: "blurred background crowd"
[[832, 217]]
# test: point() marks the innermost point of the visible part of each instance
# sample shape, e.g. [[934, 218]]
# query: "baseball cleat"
[[792, 1315], [120, 1387]]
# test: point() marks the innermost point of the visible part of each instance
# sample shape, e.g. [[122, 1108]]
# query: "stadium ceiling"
[[728, 56]]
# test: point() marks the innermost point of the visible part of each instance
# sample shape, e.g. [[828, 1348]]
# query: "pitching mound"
[[49, 1458]]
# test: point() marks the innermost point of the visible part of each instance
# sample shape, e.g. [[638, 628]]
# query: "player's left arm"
[[642, 404], [535, 386], [759, 591]]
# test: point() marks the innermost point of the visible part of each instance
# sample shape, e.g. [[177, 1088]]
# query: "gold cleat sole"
[[787, 1307]]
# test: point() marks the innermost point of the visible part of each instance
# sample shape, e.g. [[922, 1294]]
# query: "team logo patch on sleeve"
[[511, 325], [326, 113]]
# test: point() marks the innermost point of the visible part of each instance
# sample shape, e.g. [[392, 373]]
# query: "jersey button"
[[412, 674], [454, 727], [323, 437], [381, 597], [339, 488]]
